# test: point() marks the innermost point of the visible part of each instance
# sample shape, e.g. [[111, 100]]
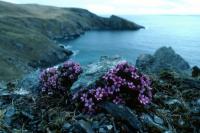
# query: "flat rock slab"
[[123, 113]]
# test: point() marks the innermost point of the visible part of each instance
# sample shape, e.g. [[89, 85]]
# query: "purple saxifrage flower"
[[117, 86], [59, 80]]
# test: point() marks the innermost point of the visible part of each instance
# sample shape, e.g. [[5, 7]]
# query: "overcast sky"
[[126, 7]]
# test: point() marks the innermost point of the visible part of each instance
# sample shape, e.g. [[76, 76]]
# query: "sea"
[[180, 32]]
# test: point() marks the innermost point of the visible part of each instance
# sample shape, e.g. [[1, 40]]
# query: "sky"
[[126, 7]]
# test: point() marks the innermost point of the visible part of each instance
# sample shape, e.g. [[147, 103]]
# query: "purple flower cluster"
[[117, 85], [59, 80]]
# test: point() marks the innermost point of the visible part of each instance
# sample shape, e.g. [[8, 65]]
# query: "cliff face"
[[28, 34]]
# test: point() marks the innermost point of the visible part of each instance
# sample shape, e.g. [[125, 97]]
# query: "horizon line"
[[109, 14]]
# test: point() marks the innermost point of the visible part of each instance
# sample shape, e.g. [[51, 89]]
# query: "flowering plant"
[[119, 85], [59, 80]]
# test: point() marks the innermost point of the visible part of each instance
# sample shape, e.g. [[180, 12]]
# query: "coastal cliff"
[[29, 34]]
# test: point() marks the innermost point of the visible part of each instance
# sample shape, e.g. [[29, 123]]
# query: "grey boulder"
[[165, 58]]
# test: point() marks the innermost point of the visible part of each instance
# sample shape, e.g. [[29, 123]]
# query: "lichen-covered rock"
[[94, 71]]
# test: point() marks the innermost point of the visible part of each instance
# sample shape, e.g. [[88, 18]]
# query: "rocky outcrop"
[[175, 107], [163, 59], [29, 35]]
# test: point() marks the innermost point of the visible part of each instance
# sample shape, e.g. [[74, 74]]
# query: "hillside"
[[29, 34]]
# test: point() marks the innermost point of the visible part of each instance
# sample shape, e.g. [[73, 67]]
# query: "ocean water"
[[182, 33]]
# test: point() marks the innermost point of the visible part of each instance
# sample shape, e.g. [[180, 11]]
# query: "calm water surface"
[[180, 32]]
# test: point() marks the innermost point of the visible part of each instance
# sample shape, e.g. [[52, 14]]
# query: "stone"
[[122, 113], [109, 127], [27, 115], [8, 115], [158, 120], [67, 126], [95, 124], [165, 58], [86, 126], [10, 111], [169, 131], [94, 71], [198, 102], [172, 102], [102, 130], [147, 119], [181, 122]]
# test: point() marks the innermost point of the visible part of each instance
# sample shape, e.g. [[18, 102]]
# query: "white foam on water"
[[67, 46], [75, 52]]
